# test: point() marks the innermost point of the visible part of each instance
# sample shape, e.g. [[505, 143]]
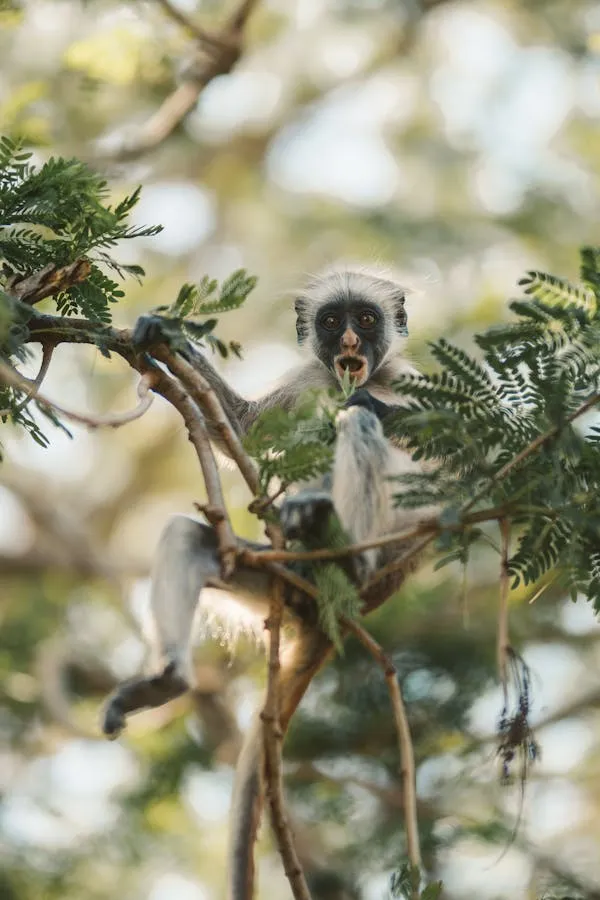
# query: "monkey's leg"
[[306, 653], [187, 560]]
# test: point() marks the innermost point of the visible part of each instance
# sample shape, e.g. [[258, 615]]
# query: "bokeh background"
[[458, 142]]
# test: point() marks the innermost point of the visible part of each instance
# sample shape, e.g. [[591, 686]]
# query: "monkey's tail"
[[301, 661]]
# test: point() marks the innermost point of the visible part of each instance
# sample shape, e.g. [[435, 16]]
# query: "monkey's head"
[[352, 320]]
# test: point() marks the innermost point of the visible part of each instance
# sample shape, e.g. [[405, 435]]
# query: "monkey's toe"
[[113, 722]]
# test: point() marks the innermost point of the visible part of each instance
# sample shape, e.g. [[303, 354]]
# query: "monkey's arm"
[[149, 330]]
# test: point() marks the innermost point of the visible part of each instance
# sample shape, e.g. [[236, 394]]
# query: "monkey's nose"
[[350, 340]]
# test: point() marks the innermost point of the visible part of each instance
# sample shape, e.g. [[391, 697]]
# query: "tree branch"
[[220, 54], [201, 35], [48, 281], [203, 393], [272, 732], [502, 640], [14, 379], [178, 389], [273, 739], [35, 384], [531, 448], [215, 511], [431, 526], [405, 746]]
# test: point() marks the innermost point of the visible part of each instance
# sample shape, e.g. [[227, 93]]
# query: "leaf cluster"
[[186, 318], [293, 445], [501, 430], [56, 214], [405, 884], [338, 594]]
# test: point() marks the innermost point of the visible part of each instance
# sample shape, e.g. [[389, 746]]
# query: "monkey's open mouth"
[[356, 366]]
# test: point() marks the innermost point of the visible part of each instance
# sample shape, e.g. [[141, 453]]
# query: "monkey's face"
[[351, 338]]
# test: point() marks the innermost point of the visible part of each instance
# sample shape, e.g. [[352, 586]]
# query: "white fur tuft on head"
[[376, 286]]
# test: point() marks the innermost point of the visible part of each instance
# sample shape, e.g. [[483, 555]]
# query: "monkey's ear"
[[400, 317], [301, 320]]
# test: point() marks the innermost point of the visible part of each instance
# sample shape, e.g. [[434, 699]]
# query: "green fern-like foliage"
[[187, 316], [56, 214], [57, 231], [338, 594], [505, 430], [293, 445]]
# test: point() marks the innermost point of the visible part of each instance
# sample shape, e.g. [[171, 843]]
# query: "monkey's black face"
[[351, 337]]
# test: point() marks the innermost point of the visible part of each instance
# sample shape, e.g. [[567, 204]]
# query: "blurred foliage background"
[[457, 142]]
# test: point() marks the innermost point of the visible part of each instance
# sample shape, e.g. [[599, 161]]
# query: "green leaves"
[[56, 228], [405, 884], [55, 215], [292, 445], [505, 428], [185, 315], [338, 596], [57, 231]]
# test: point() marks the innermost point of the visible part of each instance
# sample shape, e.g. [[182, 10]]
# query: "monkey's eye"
[[330, 322], [366, 319]]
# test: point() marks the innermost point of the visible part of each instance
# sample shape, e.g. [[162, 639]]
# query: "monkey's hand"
[[152, 329], [141, 693], [365, 400], [305, 517]]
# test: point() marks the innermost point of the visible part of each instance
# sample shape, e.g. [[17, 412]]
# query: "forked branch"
[[216, 53], [215, 510], [14, 379]]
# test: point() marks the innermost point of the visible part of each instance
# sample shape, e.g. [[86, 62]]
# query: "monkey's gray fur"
[[346, 319]]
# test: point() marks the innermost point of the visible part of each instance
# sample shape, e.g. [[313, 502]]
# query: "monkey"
[[349, 322]]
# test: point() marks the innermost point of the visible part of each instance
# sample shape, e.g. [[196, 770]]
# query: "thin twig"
[[199, 34], [297, 581], [431, 526], [221, 53], [239, 17], [35, 384], [13, 378], [402, 563], [405, 746], [203, 393], [531, 448], [502, 639], [260, 505]]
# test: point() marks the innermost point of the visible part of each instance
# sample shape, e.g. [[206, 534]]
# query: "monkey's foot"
[[306, 515], [141, 693]]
